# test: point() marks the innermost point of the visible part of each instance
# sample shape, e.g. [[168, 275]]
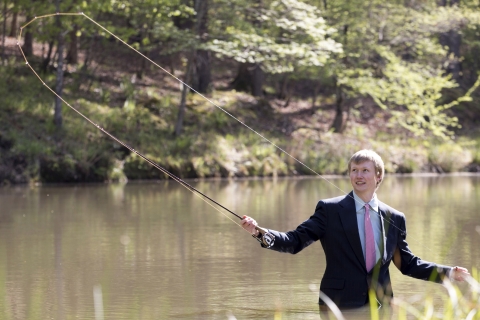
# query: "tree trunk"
[[258, 78], [316, 89], [341, 116], [453, 40], [282, 87], [28, 44], [202, 71], [72, 55], [242, 79], [4, 34], [48, 58], [250, 78], [13, 25], [143, 65], [57, 117], [88, 54], [181, 109], [200, 24], [28, 41]]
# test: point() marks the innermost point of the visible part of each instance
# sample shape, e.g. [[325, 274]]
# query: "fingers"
[[461, 269], [459, 273], [249, 224]]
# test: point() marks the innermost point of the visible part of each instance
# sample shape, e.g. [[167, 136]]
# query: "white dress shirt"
[[376, 224]]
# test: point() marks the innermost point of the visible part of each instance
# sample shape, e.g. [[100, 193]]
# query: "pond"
[[156, 251]]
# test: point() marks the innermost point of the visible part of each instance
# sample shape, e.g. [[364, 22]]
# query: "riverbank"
[[212, 144]]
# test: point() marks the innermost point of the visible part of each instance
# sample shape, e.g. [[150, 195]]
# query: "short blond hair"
[[369, 155]]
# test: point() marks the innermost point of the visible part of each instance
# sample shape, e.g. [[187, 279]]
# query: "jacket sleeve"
[[305, 234], [412, 265]]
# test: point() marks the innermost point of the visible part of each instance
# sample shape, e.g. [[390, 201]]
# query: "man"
[[360, 236]]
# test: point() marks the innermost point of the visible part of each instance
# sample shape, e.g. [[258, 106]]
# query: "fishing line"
[[177, 179], [182, 182], [195, 191], [192, 89]]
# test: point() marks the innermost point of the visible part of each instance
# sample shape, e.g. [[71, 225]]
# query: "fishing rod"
[[265, 237]]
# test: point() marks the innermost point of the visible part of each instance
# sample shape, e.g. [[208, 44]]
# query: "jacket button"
[[364, 294]]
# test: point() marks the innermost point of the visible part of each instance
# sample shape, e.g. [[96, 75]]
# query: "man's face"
[[363, 178]]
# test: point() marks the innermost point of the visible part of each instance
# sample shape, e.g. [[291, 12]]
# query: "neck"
[[366, 197]]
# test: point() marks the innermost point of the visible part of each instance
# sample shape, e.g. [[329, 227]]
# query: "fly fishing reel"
[[264, 237]]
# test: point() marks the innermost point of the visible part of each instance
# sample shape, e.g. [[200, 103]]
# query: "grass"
[[212, 144], [456, 305]]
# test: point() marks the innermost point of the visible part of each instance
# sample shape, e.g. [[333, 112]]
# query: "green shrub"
[[449, 157], [402, 156]]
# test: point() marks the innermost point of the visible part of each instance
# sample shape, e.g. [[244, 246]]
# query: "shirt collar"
[[359, 203]]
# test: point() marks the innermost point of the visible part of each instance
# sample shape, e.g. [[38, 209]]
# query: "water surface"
[[156, 251]]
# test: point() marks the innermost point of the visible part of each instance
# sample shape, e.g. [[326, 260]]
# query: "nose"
[[358, 174]]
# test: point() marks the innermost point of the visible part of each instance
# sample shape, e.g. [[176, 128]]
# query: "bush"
[[402, 156], [448, 157]]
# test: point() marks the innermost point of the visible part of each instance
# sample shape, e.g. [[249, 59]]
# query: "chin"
[[363, 190]]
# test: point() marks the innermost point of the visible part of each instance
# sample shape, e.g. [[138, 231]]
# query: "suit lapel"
[[383, 216], [348, 216]]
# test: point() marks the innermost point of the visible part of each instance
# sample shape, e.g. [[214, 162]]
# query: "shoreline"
[[229, 179]]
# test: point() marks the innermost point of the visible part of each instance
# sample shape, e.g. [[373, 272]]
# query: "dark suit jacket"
[[346, 280]]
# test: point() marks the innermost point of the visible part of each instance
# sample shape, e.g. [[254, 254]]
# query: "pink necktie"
[[370, 258]]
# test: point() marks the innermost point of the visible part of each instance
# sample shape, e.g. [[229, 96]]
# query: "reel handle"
[[265, 237]]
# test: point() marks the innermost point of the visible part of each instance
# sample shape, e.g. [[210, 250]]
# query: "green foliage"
[[325, 157], [402, 155], [388, 51], [410, 91], [449, 157], [475, 150], [392, 54], [287, 35], [151, 24]]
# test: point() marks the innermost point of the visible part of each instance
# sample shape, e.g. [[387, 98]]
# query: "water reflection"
[[156, 251]]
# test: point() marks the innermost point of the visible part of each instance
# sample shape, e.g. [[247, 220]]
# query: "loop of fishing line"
[[183, 183], [196, 192]]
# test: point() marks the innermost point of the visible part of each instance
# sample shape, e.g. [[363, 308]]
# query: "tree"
[[453, 40], [72, 53], [4, 33], [411, 92], [57, 117], [28, 40], [13, 24], [384, 38], [284, 36], [202, 76], [200, 25]]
